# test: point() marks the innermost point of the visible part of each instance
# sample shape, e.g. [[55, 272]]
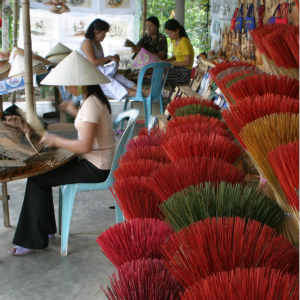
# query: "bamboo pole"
[[144, 16], [29, 96], [15, 37], [179, 11], [5, 24]]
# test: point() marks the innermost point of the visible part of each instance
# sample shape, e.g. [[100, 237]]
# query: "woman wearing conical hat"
[[91, 49], [95, 146]]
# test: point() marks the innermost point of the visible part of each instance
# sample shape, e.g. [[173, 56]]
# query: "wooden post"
[[179, 11], [5, 197], [6, 9], [144, 16], [29, 95], [15, 41]]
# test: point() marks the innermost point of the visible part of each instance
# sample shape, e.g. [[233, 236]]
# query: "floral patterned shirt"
[[158, 44]]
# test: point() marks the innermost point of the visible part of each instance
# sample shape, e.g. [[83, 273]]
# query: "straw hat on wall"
[[75, 70], [20, 51], [18, 67], [59, 49]]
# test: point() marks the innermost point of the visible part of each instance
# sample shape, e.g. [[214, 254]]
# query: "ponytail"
[[182, 32], [173, 25]]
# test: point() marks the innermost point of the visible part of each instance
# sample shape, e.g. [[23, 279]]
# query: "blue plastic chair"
[[156, 89], [67, 192]]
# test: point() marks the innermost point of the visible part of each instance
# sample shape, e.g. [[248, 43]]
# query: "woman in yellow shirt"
[[183, 53]]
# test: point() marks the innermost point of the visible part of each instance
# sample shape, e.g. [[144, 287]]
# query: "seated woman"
[[96, 149], [91, 49], [153, 41], [183, 53]]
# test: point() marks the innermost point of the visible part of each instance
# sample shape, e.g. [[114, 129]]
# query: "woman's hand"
[[117, 57], [136, 49], [49, 140], [68, 107]]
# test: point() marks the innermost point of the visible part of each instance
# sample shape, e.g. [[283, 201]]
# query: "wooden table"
[[36, 165]]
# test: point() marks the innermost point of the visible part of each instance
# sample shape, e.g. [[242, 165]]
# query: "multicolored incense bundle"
[[192, 119], [143, 279], [200, 128], [197, 203], [152, 152], [285, 163], [261, 84], [264, 135], [279, 52], [246, 284], [195, 144], [175, 176], [140, 168], [143, 141], [134, 239], [187, 101], [212, 246], [252, 108], [136, 198]]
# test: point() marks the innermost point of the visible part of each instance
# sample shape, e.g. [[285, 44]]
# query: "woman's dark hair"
[[97, 91], [154, 20], [173, 25], [98, 25]]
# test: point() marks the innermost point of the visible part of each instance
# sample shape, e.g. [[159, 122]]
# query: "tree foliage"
[[197, 20]]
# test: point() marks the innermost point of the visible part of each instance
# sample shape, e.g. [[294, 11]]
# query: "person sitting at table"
[[96, 149], [91, 48], [183, 53], [153, 41]]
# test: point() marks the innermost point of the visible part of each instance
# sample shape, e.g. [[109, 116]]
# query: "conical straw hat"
[[4, 66], [20, 51], [18, 67], [64, 9], [48, 2], [56, 59], [54, 9], [75, 70], [59, 49]]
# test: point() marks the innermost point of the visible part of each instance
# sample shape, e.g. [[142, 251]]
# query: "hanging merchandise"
[[233, 19], [261, 14], [250, 18], [283, 14], [240, 19], [273, 18]]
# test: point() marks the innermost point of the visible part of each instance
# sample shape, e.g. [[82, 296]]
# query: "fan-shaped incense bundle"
[[264, 135], [140, 168], [201, 128], [197, 203], [136, 198], [285, 163], [212, 246], [192, 119], [220, 68], [195, 144], [153, 153], [143, 279], [230, 79], [134, 239], [181, 102], [198, 109], [291, 37], [246, 284], [143, 141], [261, 84], [276, 52], [252, 108], [175, 176]]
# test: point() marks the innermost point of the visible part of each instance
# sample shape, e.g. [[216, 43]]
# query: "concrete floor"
[[49, 275]]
